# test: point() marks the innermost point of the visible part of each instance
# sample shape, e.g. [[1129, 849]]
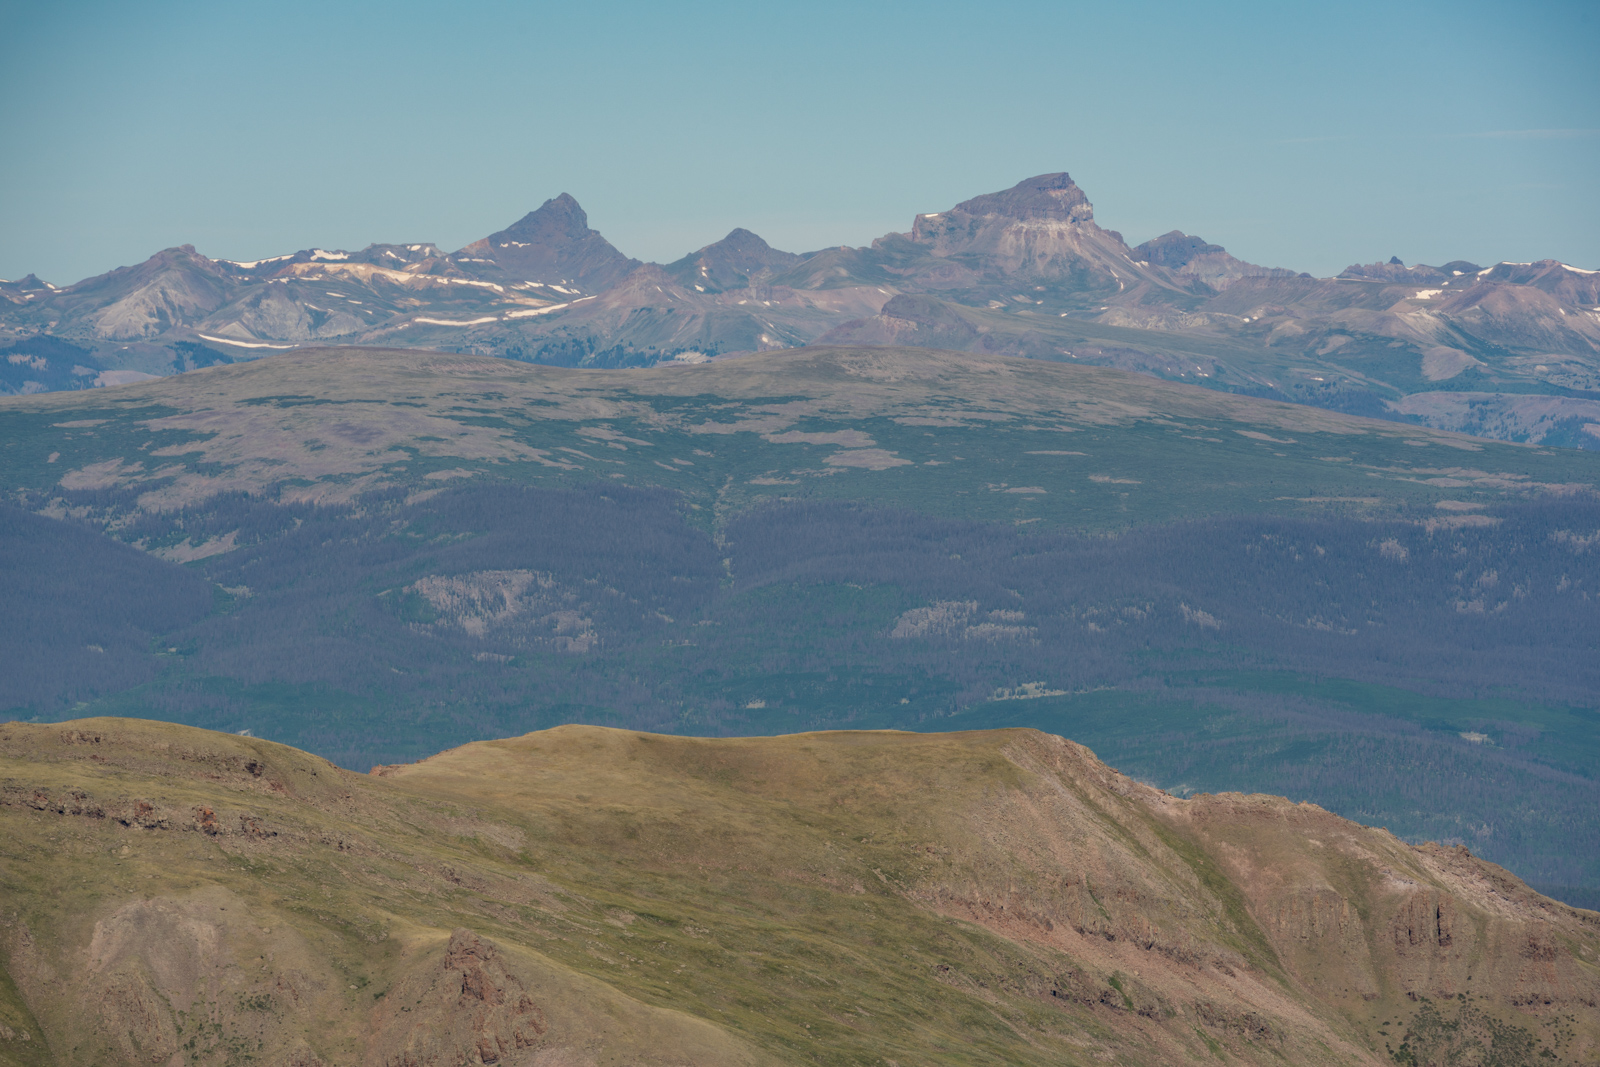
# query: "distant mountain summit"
[[730, 263], [554, 245], [1194, 258], [1047, 196], [1175, 249], [1042, 226], [28, 283], [172, 288]]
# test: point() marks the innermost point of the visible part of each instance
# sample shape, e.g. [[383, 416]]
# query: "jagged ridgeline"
[[1509, 351], [594, 896], [376, 554]]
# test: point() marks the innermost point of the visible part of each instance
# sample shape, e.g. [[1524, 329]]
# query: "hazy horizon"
[[1305, 138]]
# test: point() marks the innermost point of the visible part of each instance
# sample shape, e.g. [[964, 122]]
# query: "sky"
[[1302, 135]]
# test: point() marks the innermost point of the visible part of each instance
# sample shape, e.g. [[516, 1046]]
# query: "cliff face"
[[593, 896], [1041, 228]]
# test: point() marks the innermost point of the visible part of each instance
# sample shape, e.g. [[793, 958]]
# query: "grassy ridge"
[[1507, 778], [831, 898]]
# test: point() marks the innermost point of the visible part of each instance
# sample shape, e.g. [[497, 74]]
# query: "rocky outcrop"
[[463, 1007]]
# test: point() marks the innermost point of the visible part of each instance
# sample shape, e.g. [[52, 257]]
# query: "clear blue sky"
[[1306, 135]]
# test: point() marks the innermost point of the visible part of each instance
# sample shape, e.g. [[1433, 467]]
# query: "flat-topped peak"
[[1044, 196]]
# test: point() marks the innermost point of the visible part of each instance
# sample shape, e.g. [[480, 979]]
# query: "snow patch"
[[239, 344], [317, 253], [455, 322], [254, 263]]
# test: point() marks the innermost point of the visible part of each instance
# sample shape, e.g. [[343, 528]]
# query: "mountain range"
[[1509, 351]]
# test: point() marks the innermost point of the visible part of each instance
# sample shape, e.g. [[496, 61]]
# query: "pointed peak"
[[739, 241], [730, 262], [564, 204], [554, 242], [560, 216]]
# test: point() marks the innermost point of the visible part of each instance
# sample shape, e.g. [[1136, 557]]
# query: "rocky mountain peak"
[[560, 217], [554, 244], [1174, 249], [747, 252], [730, 262], [1196, 260], [1042, 226], [1046, 196]]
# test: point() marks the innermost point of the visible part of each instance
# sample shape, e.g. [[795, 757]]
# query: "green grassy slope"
[[605, 896]]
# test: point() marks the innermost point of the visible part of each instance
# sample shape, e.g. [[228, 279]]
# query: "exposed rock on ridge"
[[730, 263], [468, 1007], [1192, 257], [1043, 227], [554, 244]]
